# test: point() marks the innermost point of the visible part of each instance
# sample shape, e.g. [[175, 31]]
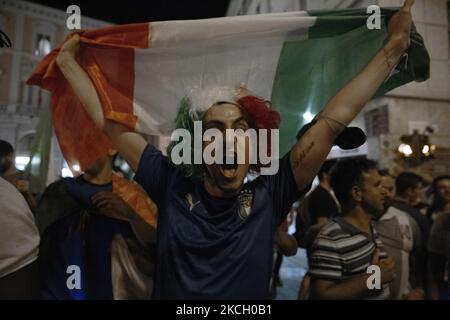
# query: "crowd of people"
[[397, 222], [357, 216]]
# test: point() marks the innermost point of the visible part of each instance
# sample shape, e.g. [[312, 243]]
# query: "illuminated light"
[[401, 147], [22, 160], [407, 150], [66, 172], [308, 116], [76, 167], [426, 149], [44, 47]]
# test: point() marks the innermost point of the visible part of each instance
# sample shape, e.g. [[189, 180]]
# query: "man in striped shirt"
[[346, 246]]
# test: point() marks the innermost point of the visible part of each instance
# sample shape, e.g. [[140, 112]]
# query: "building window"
[[43, 36], [43, 45]]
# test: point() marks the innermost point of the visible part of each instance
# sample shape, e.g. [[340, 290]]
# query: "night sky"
[[133, 11]]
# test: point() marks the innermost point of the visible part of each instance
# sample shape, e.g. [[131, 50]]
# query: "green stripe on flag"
[[339, 45]]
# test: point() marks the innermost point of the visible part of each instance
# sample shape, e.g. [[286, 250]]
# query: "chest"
[[186, 225], [357, 256]]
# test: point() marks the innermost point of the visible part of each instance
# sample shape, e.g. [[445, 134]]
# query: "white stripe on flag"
[[184, 55]]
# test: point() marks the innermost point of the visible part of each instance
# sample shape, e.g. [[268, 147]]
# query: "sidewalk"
[[291, 274]]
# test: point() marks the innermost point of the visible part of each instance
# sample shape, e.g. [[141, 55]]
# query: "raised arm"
[[129, 144], [313, 147]]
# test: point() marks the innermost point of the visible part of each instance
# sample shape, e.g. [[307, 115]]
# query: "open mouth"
[[229, 169]]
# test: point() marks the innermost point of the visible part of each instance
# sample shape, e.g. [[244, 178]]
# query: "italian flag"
[[298, 60]]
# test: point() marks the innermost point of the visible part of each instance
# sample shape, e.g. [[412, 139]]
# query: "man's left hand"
[[399, 26], [112, 205]]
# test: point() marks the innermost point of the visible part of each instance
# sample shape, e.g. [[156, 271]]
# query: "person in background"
[[285, 245], [409, 189], [439, 257], [346, 246], [9, 172], [315, 211], [323, 204], [19, 246], [402, 240], [103, 224], [439, 242], [440, 190]]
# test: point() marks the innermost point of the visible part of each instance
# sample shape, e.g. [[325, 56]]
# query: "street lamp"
[[416, 148]]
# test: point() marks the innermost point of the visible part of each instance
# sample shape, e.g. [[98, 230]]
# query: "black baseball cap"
[[349, 138]]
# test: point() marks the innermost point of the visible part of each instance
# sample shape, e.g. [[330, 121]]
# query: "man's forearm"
[[313, 147], [82, 86], [349, 101], [353, 288], [129, 144]]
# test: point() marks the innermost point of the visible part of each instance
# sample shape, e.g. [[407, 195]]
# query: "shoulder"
[[58, 186], [9, 195], [6, 185], [328, 234], [415, 213], [154, 162], [150, 154], [13, 204], [331, 229], [442, 221]]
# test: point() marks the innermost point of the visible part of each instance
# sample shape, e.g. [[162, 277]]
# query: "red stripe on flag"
[[107, 55], [112, 72]]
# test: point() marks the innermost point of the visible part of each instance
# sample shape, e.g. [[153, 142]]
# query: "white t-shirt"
[[399, 233], [19, 236]]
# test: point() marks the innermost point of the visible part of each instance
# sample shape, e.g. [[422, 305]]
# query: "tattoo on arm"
[[302, 154]]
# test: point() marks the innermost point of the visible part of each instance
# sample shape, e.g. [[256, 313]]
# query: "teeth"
[[229, 160]]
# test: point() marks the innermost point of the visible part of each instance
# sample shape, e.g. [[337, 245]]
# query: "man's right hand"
[[23, 186], [129, 144], [387, 267], [70, 48]]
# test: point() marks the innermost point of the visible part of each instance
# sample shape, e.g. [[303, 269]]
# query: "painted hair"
[[257, 111]]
